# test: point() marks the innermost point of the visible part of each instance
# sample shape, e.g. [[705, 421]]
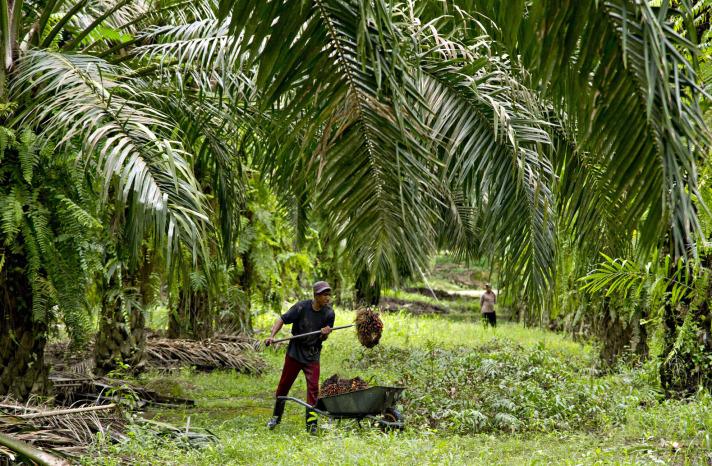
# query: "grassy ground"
[[629, 425]]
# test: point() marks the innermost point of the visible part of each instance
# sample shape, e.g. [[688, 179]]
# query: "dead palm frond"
[[14, 448], [67, 432], [205, 355]]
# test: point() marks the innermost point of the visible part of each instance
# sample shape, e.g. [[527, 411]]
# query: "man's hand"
[[275, 328], [326, 330]]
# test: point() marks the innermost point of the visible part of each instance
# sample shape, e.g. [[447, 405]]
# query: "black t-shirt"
[[305, 319]]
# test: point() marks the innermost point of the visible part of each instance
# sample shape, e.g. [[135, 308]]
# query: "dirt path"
[[448, 295]]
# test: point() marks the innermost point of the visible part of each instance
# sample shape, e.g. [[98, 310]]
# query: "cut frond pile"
[[244, 342], [337, 386], [72, 388], [39, 431], [65, 432], [236, 351], [204, 355], [369, 327], [63, 359], [412, 307]]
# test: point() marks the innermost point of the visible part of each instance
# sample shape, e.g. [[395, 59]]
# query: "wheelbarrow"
[[374, 403]]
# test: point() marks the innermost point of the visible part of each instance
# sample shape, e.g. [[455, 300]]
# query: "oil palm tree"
[[62, 77]]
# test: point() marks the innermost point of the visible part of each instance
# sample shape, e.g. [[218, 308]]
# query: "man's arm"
[[325, 331], [275, 328], [289, 317]]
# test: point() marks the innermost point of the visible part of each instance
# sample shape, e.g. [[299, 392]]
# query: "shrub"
[[503, 386]]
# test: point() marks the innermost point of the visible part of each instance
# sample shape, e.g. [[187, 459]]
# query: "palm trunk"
[[122, 329], [244, 319], [192, 317], [620, 338], [687, 342], [22, 338], [120, 340]]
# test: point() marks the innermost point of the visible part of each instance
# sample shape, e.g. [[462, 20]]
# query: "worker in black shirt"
[[303, 353]]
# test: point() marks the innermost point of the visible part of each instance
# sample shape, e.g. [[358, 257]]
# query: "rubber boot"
[[276, 414], [311, 420]]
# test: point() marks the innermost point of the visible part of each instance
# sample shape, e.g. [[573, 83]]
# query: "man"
[[303, 353], [487, 302]]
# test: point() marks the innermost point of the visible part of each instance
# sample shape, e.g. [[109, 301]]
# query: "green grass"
[[625, 424]]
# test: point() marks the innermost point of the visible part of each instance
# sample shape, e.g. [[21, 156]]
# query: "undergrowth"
[[474, 396], [503, 387]]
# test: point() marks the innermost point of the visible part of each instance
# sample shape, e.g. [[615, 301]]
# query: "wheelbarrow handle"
[[303, 403], [311, 333]]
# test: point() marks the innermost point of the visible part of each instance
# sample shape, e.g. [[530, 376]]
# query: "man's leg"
[[290, 371], [311, 373], [491, 319]]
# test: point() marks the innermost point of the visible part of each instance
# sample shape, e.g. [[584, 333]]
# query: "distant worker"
[[303, 353], [487, 302]]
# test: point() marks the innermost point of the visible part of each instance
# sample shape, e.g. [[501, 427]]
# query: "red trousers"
[[290, 371]]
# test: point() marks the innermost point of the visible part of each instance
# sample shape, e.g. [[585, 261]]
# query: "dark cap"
[[320, 287]]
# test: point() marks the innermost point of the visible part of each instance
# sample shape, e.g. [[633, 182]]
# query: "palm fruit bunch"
[[337, 386], [368, 327]]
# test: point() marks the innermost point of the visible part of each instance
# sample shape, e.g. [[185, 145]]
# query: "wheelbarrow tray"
[[372, 400]]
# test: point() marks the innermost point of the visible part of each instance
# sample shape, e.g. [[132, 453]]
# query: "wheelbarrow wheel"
[[392, 415]]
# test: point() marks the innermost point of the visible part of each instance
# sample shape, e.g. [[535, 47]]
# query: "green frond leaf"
[[618, 72], [79, 96]]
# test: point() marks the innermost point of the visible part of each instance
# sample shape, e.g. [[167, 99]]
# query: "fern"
[[54, 19], [46, 216], [198, 281], [79, 217], [42, 232], [44, 297], [28, 154], [11, 212], [32, 254], [7, 139]]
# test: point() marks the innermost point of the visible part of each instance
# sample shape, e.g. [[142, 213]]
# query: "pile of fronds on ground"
[[242, 341], [337, 386], [61, 357], [72, 388], [71, 433], [369, 327], [389, 304], [238, 354], [62, 432]]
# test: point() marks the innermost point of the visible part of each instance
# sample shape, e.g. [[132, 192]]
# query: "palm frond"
[[80, 97], [493, 132], [617, 70], [336, 89], [223, 148]]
